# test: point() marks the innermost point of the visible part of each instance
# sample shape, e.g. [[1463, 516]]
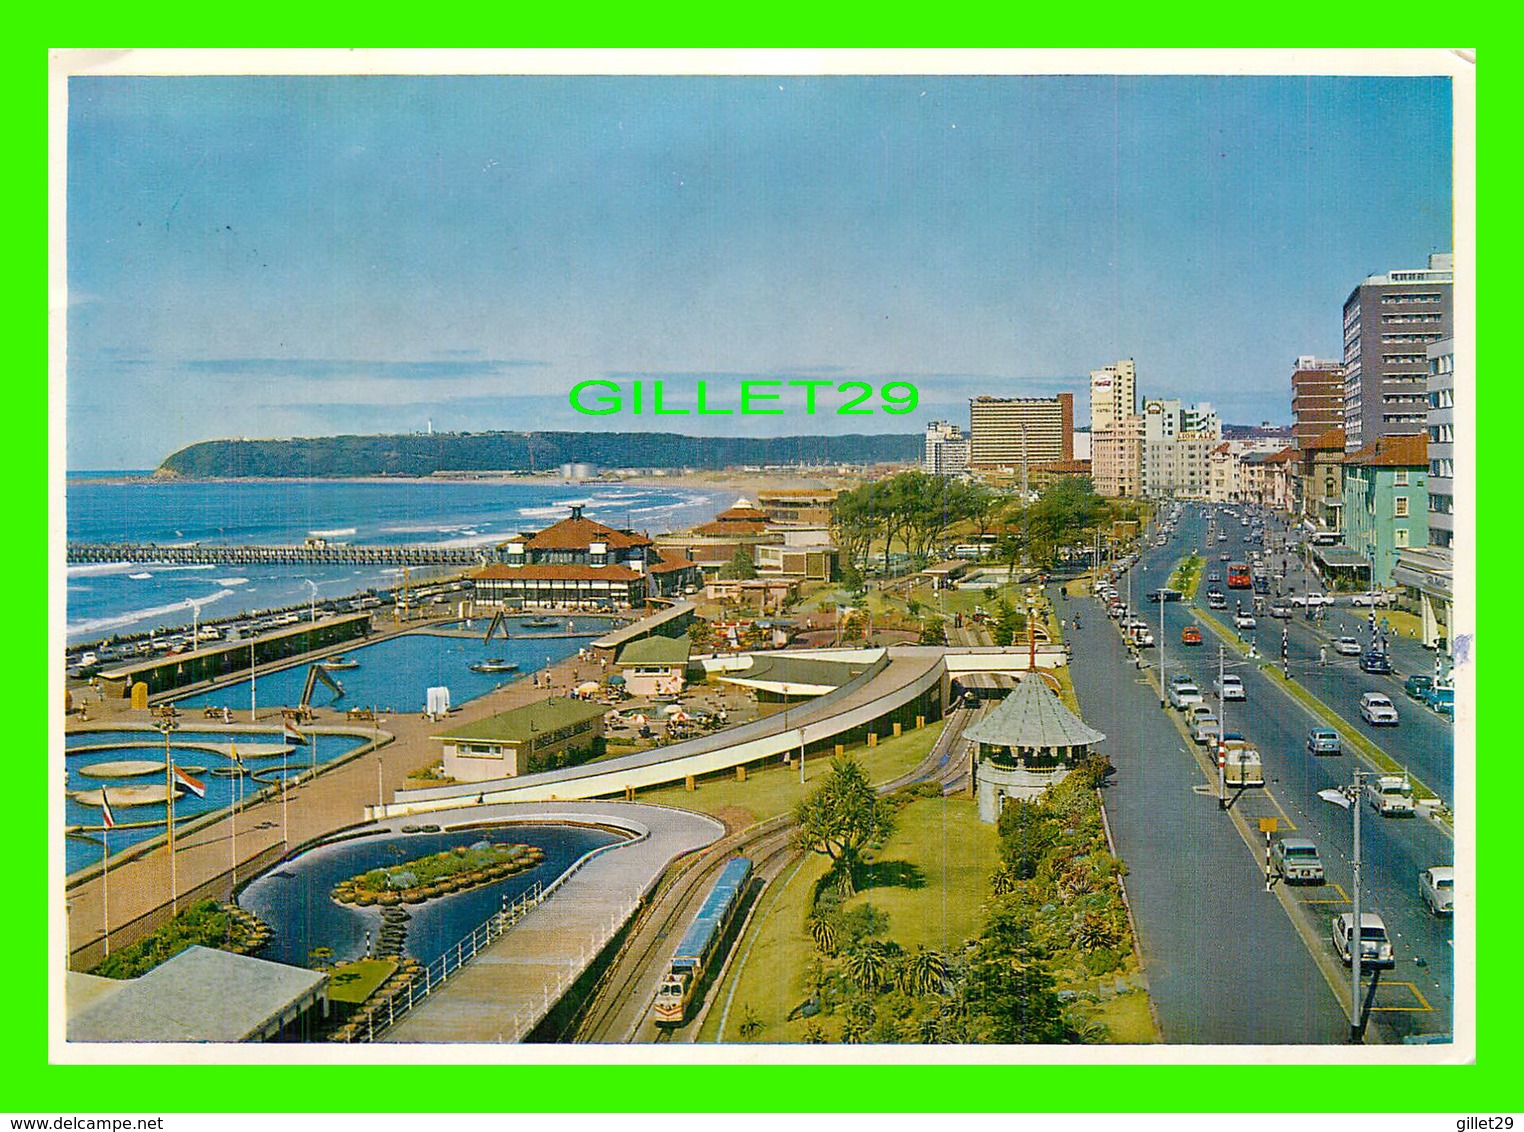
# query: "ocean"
[[133, 597]]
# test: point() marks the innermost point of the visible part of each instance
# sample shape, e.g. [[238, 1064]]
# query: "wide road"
[[1225, 965], [1417, 996]]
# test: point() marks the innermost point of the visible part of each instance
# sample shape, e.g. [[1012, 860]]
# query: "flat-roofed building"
[[1442, 443], [655, 666], [1390, 321], [1113, 395], [946, 451], [537, 736], [1317, 398], [1006, 432], [1116, 458]]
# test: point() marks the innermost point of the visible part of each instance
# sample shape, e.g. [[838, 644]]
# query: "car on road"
[[1183, 693], [1244, 621], [1375, 661], [1346, 646], [1295, 860], [1224, 557], [1437, 887], [1311, 598], [1229, 686], [1324, 741], [1214, 576], [1390, 795], [1417, 686], [1190, 635], [1142, 636], [1280, 609], [1375, 944], [1441, 698], [1378, 710], [1378, 597], [1205, 726], [1216, 599]]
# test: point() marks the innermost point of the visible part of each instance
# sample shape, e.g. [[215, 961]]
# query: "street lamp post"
[[1349, 796], [1163, 701], [166, 725]]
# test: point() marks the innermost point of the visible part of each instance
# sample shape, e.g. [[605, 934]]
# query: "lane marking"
[[1423, 1006]]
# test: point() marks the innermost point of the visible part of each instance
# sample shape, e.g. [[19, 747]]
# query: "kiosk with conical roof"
[[1028, 743]]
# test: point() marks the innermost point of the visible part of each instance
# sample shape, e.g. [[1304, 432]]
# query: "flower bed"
[[440, 874]]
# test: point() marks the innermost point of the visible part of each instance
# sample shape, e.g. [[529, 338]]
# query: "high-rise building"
[[1442, 443], [1317, 398], [1176, 445], [1116, 458], [1389, 323], [946, 450], [1113, 394], [1005, 432]]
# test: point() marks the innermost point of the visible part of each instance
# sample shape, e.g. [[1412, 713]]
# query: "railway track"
[[619, 1008]]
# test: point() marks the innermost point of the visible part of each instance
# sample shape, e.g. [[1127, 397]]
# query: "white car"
[[1346, 646], [1184, 693], [1311, 599], [1244, 621], [1229, 687], [1378, 710], [1375, 944], [1379, 597], [1437, 887], [1205, 727]]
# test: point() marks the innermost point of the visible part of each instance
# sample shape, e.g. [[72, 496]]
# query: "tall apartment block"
[[1442, 443], [1005, 431], [1176, 444], [1113, 394], [1389, 323], [1317, 399], [946, 452]]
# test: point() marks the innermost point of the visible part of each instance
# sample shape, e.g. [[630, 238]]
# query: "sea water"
[[134, 597]]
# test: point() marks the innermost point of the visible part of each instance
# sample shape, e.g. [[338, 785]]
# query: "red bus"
[[1238, 576]]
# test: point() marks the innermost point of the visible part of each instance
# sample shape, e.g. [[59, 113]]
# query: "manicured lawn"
[[776, 789], [1127, 1018], [357, 981], [936, 870]]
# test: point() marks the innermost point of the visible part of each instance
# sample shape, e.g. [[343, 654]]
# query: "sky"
[[306, 256]]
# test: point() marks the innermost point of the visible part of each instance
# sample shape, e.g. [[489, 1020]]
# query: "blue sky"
[[307, 256]]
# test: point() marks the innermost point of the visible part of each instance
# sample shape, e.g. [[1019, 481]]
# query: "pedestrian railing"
[[378, 1015]]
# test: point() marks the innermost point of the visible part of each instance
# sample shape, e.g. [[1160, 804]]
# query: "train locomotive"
[[702, 947]]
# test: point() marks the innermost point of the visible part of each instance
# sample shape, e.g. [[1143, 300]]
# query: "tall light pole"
[[1163, 702], [166, 725], [312, 603], [1350, 797]]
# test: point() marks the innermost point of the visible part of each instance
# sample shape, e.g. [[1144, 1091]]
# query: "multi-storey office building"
[[1006, 432], [1389, 323], [1317, 399], [946, 451], [1442, 443], [1113, 394], [1116, 458]]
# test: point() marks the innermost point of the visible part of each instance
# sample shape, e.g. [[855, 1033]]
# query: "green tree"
[[1007, 986], [841, 817], [922, 972], [751, 1024], [867, 965], [740, 566], [933, 631]]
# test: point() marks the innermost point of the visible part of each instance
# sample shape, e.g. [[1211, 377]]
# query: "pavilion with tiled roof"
[[580, 562], [1029, 742]]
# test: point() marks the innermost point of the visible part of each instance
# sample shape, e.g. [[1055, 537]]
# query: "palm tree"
[[823, 932], [868, 964], [922, 972], [813, 1034], [1093, 931], [751, 1024], [854, 1029]]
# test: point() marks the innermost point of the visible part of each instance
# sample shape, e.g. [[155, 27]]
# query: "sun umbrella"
[[673, 709], [616, 681], [640, 721], [587, 688]]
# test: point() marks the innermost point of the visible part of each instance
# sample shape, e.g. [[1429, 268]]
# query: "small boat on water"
[[541, 623], [494, 664], [338, 663]]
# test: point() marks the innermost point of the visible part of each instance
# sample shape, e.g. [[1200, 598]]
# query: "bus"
[[1238, 576]]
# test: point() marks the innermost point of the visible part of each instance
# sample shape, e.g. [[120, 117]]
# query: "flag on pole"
[[238, 762], [194, 785], [108, 819], [292, 735]]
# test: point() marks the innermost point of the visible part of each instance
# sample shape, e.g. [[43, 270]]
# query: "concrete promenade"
[[503, 993]]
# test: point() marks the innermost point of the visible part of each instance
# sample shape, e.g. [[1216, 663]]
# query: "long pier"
[[79, 553]]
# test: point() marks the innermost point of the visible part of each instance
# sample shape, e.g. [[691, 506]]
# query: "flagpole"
[[169, 819], [233, 805], [253, 715], [106, 875]]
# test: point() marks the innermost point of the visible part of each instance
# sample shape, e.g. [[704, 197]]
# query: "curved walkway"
[[509, 987]]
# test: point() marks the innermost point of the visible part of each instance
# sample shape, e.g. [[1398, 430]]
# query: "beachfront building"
[[787, 506], [1386, 501], [582, 563], [536, 736], [655, 666]]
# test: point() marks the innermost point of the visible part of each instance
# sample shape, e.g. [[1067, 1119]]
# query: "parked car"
[[1346, 646], [1295, 860], [1324, 741], [1228, 686], [1417, 686], [1378, 710], [1377, 597], [1183, 693], [1375, 661], [1190, 635], [1375, 944], [1205, 726], [1442, 699], [1244, 621], [1437, 887], [1390, 795]]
